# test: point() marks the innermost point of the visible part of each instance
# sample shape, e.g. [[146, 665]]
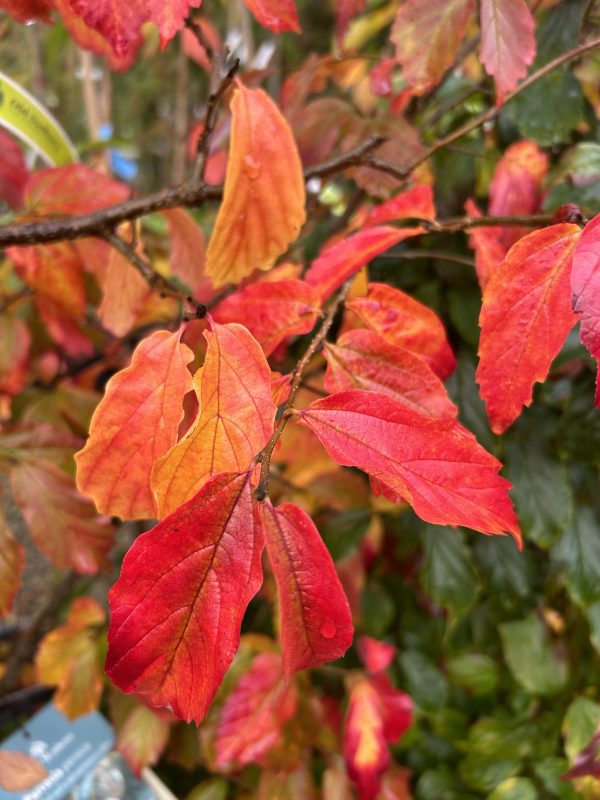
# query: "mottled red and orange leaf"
[[414, 203], [316, 624], [12, 562], [279, 16], [63, 524], [272, 311], [28, 10], [435, 465], [525, 318], [177, 607], [124, 292], [136, 422], [187, 251], [235, 420], [427, 35], [264, 195], [255, 713], [403, 321], [487, 243], [74, 189], [507, 42], [365, 360], [68, 658], [340, 261], [365, 749], [585, 287]]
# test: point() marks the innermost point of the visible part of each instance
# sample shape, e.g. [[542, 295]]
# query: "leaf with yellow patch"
[[263, 201]]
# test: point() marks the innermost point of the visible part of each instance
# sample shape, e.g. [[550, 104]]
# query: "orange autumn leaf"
[[136, 423], [19, 771], [124, 293], [68, 658], [12, 561], [525, 318], [264, 195], [235, 419]]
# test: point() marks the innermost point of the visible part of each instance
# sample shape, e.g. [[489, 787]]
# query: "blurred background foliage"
[[499, 649]]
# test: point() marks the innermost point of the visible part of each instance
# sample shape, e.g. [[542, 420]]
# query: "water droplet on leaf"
[[251, 167], [328, 629]]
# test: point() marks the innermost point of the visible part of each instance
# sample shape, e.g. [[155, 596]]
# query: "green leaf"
[[579, 725], [462, 388], [475, 672], [577, 554], [530, 658], [541, 490], [214, 789], [514, 789], [549, 772], [593, 617], [500, 738], [553, 106], [377, 610], [448, 574], [425, 683], [509, 572], [485, 774], [343, 532]]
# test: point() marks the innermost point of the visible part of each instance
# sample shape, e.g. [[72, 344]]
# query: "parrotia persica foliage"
[[264, 370]]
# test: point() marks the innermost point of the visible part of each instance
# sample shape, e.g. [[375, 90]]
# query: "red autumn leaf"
[[271, 311], [55, 273], [20, 771], [365, 749], [63, 524], [403, 321], [12, 562], [90, 39], [136, 422], [397, 708], [235, 420], [74, 189], [525, 318], [316, 624], [427, 35], [13, 171], [67, 657], [14, 354], [507, 42], [375, 655], [340, 261], [381, 77], [415, 203], [187, 252], [585, 287], [487, 243], [278, 16], [434, 464], [255, 713], [28, 10], [120, 23], [197, 52], [364, 360], [177, 607], [516, 187], [264, 195]]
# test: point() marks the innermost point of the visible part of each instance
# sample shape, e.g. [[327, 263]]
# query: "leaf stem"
[[264, 457]]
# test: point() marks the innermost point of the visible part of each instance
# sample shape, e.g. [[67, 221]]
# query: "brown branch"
[[493, 112], [455, 224], [98, 222], [264, 457], [221, 76], [8, 300], [166, 287]]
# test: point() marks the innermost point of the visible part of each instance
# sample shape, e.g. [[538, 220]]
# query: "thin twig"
[[221, 76], [493, 112], [199, 34], [8, 300], [442, 255], [156, 281], [264, 457]]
